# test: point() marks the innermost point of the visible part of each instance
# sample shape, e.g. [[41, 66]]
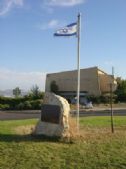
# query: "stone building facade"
[[93, 81]]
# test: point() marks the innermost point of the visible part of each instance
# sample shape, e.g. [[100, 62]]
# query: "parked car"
[[89, 105], [84, 102]]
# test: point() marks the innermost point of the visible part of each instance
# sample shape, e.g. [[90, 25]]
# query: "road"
[[15, 115], [101, 112]]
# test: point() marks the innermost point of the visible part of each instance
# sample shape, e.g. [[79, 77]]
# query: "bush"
[[94, 99], [22, 103], [4, 106], [20, 106], [36, 104], [105, 98], [27, 105]]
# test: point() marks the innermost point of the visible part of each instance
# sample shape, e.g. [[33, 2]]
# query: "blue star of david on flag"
[[68, 30]]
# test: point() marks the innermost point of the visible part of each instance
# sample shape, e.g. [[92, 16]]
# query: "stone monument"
[[54, 116]]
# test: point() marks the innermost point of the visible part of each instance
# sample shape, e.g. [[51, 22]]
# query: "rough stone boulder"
[[54, 116]]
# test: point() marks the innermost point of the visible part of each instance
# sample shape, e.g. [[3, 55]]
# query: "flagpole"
[[111, 100], [78, 68]]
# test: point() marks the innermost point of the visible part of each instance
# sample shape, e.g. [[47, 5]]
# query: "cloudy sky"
[[28, 49]]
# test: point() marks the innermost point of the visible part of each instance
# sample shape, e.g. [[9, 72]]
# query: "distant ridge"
[[9, 93]]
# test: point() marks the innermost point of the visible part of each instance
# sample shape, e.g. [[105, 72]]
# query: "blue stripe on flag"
[[68, 30], [72, 24], [57, 34]]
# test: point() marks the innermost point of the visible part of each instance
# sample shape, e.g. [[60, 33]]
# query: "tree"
[[121, 89], [54, 87], [35, 93], [16, 92]]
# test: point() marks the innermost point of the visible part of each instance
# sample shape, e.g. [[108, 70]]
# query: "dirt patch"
[[24, 130]]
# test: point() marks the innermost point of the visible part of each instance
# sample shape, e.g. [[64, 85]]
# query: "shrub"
[[94, 99], [20, 106], [27, 105], [4, 106], [105, 98], [36, 104], [21, 103]]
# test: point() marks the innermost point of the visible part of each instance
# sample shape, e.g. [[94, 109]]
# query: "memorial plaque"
[[50, 113]]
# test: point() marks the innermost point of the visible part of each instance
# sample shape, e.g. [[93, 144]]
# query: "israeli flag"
[[68, 30]]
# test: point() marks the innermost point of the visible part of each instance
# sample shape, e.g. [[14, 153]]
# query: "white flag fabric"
[[68, 30]]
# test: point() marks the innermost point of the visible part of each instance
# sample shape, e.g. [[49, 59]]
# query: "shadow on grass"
[[24, 138]]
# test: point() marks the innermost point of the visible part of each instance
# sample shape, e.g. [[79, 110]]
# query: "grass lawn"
[[96, 148]]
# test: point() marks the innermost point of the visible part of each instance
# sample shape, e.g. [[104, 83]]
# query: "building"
[[93, 81]]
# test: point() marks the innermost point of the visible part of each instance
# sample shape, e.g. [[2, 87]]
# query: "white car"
[[89, 105]]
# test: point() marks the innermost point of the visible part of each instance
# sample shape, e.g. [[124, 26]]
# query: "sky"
[[28, 49]]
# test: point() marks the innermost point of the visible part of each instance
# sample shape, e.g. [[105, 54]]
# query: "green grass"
[[103, 121], [6, 127], [97, 149]]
